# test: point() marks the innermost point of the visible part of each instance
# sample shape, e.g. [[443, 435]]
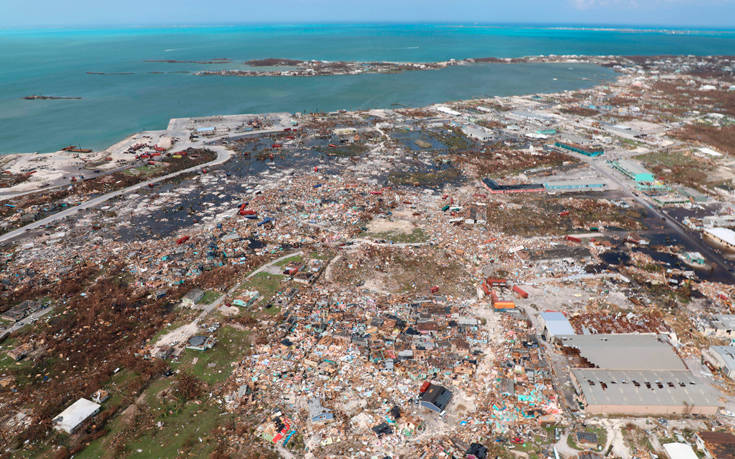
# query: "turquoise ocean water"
[[55, 62]]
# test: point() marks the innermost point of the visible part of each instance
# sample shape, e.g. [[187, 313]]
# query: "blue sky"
[[25, 13]]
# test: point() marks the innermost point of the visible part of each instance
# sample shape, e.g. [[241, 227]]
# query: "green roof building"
[[634, 170]]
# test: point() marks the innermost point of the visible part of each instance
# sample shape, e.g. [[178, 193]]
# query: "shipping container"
[[521, 293], [492, 281]]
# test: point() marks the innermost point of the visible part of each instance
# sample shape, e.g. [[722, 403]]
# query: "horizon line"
[[531, 24]]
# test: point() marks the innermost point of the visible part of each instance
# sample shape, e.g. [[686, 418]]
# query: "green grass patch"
[[186, 428], [265, 283], [293, 259], [210, 296], [213, 365]]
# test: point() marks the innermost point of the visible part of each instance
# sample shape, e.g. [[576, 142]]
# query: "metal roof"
[[644, 388], [633, 167], [557, 323], [724, 321], [78, 412], [724, 234], [727, 354], [680, 451], [626, 351]]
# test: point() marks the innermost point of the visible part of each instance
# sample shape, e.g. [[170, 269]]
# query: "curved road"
[[223, 155]]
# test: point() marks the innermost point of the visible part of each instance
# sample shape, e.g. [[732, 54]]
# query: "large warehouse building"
[[636, 374], [634, 170], [724, 236]]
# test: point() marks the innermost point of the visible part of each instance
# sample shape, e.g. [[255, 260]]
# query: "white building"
[[679, 451], [555, 324], [74, 416], [724, 236], [722, 358]]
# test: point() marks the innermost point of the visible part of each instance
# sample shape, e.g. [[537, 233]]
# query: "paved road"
[[223, 155], [28, 320], [563, 448], [672, 223], [214, 304]]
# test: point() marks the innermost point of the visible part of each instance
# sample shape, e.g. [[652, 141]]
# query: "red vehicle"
[[331, 145], [276, 145], [435, 289], [182, 239], [574, 239], [376, 192], [564, 213]]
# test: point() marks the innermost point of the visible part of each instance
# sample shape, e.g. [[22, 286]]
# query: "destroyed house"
[[586, 439], [721, 325], [721, 358], [435, 398], [317, 413], [22, 310], [192, 297], [476, 451], [200, 343]]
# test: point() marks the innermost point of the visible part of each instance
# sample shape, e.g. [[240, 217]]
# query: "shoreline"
[[51, 169]]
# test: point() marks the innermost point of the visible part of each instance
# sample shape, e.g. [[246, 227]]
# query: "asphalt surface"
[[674, 225], [223, 155]]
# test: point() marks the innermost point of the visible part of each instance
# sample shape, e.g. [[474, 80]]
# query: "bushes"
[[188, 387]]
